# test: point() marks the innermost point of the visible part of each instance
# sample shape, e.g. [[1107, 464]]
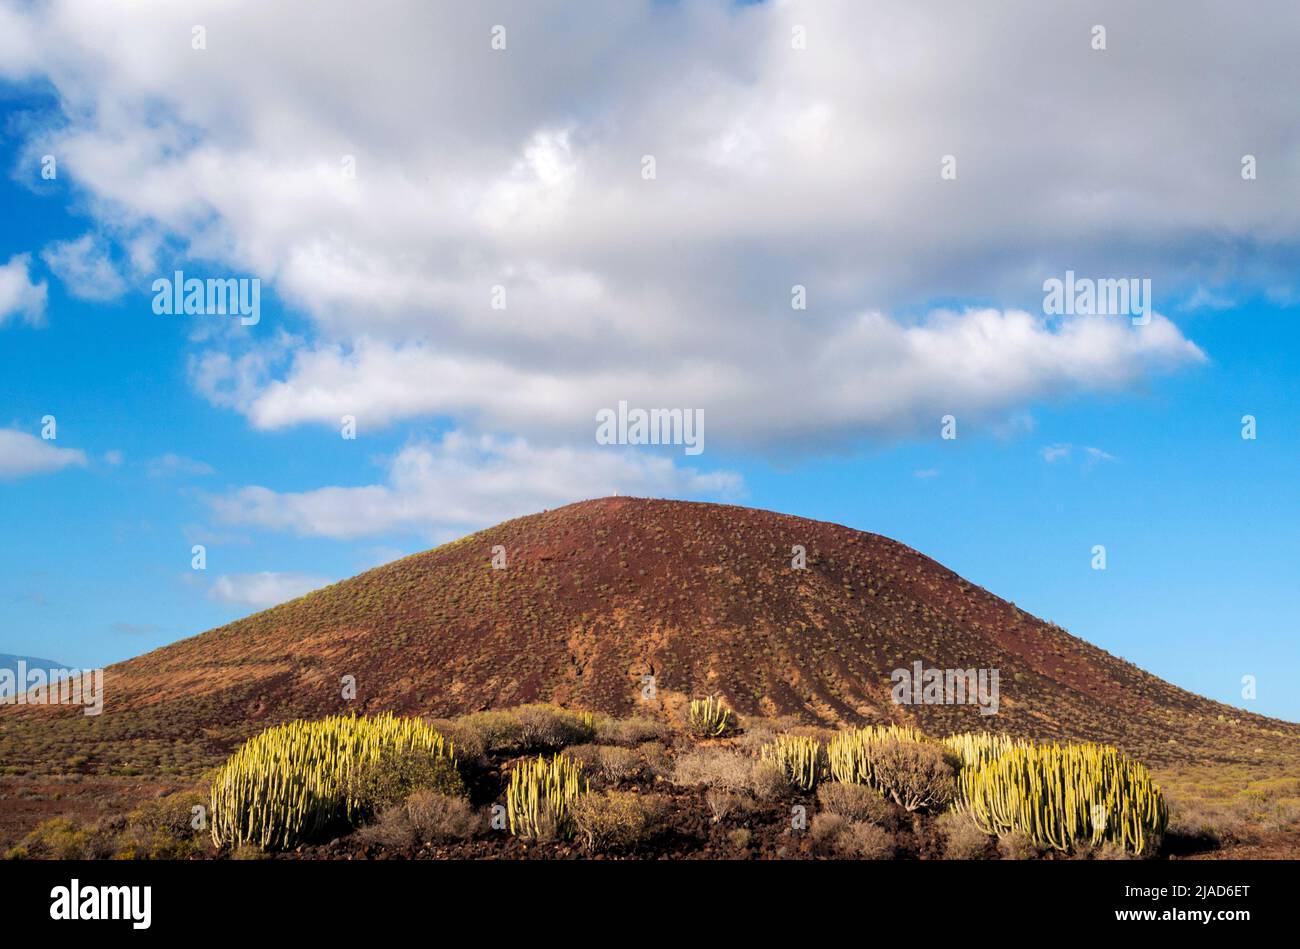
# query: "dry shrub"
[[916, 775], [760, 731], [863, 841], [1111, 851], [655, 762], [1017, 846], [484, 732], [588, 755], [768, 781], [825, 831], [616, 763], [962, 839], [161, 829], [630, 731], [391, 829], [715, 768], [550, 728], [834, 835], [721, 803], [442, 818], [393, 777], [856, 802], [613, 821], [739, 838], [57, 838]]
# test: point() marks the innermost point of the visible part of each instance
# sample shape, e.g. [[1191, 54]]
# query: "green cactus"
[[539, 794]]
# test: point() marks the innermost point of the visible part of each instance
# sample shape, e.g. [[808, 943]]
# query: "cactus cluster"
[[1063, 795], [975, 748], [540, 793], [708, 717], [803, 760], [850, 752], [293, 781]]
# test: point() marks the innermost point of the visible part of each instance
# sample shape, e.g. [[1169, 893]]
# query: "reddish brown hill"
[[594, 596]]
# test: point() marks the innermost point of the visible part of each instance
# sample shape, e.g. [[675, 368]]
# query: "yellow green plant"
[[295, 780], [540, 793], [1060, 796], [708, 717], [849, 752], [801, 759], [975, 748]]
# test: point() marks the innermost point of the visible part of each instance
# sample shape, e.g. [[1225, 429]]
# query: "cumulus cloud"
[[85, 267], [22, 454], [263, 590], [443, 489], [872, 374], [20, 296], [775, 167]]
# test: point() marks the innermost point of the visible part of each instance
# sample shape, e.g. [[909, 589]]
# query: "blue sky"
[[1072, 433]]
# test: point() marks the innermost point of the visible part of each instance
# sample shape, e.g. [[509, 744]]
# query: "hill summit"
[[622, 604]]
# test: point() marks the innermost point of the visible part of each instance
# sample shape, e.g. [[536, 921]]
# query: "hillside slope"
[[598, 594]]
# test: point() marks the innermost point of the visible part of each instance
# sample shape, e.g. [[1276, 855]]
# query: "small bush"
[[825, 831], [161, 829], [768, 781], [1112, 851], [715, 768], [550, 728], [856, 802], [393, 777], [721, 803], [616, 763], [615, 820], [441, 818], [915, 775], [630, 731], [962, 840], [57, 838], [391, 829], [655, 762], [588, 755], [739, 838], [1016, 846], [836, 836], [484, 732], [863, 841]]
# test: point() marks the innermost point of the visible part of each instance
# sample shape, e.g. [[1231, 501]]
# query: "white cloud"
[[173, 464], [262, 590], [869, 374], [22, 454], [20, 296], [461, 483], [775, 167], [85, 268], [1063, 452]]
